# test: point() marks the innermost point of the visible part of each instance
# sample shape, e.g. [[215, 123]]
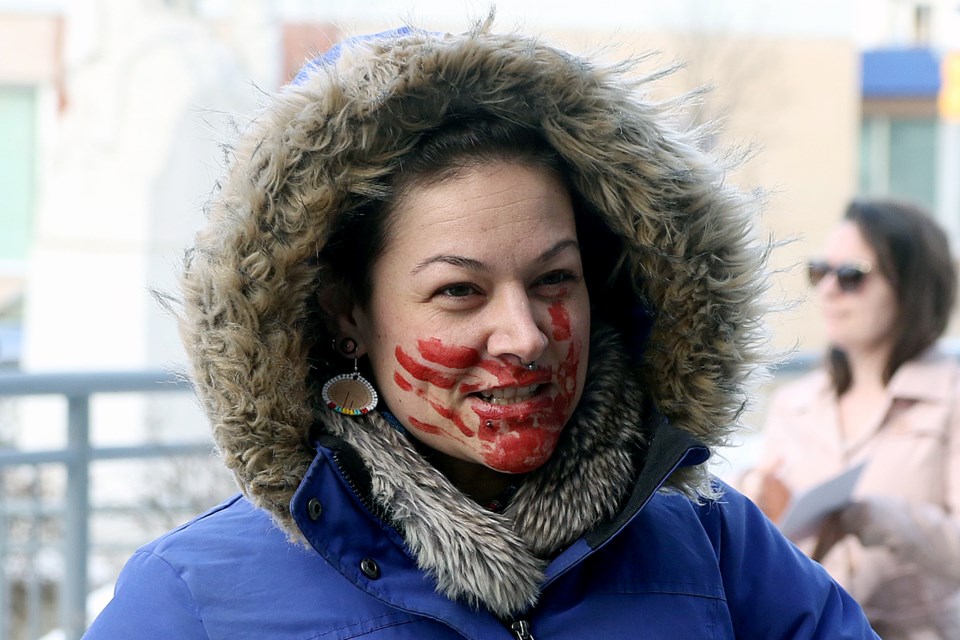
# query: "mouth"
[[509, 395]]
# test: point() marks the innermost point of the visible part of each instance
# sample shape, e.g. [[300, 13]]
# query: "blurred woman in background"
[[887, 397]]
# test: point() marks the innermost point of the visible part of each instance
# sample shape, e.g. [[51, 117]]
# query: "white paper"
[[808, 509]]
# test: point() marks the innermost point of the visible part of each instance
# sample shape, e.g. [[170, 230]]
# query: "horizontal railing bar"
[[23, 509], [84, 383], [62, 456]]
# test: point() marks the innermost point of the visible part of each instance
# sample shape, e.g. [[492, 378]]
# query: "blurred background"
[[113, 120]]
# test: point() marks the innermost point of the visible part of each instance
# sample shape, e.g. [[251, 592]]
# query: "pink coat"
[[909, 583]]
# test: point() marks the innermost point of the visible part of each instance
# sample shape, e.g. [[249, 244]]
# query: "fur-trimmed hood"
[[325, 145]]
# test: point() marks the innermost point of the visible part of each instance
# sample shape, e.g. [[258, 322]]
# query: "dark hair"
[[359, 237], [914, 255]]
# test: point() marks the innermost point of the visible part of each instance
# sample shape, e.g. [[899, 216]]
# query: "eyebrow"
[[475, 265]]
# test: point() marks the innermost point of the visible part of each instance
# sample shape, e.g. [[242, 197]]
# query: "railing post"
[[73, 612], [6, 623]]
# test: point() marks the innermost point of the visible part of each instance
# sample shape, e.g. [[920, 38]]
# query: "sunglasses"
[[850, 275]]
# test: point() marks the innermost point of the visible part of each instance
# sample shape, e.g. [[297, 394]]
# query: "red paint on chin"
[[422, 372], [521, 451], [452, 357]]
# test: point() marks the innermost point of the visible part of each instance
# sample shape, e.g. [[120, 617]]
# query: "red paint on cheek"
[[452, 357], [401, 381], [431, 376], [452, 417], [423, 426], [567, 377], [422, 372], [561, 321], [467, 389]]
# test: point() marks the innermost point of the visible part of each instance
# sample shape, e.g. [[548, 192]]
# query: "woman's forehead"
[[847, 241], [484, 209]]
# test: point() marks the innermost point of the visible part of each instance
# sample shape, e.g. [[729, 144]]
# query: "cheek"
[[424, 385], [449, 356], [572, 325], [885, 321], [572, 373], [422, 372], [560, 321]]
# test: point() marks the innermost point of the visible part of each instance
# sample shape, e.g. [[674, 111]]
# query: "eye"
[[458, 290], [458, 296], [558, 277]]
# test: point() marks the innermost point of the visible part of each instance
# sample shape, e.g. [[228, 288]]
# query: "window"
[[898, 158], [17, 170], [17, 187], [922, 21]]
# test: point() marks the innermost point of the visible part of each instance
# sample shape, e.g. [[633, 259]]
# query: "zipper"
[[521, 630], [362, 496]]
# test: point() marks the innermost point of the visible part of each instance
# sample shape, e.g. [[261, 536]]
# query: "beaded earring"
[[349, 393]]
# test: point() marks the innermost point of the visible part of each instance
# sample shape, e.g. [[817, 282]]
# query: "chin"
[[521, 452]]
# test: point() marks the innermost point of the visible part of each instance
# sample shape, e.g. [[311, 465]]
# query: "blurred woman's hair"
[[913, 254]]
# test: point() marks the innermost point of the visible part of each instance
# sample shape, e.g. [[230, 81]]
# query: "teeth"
[[510, 395]]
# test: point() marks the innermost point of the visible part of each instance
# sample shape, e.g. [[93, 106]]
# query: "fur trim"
[[495, 560]]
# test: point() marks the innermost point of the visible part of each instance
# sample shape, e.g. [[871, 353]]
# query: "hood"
[[690, 333]]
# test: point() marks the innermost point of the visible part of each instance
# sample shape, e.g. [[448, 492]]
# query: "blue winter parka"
[[665, 568]]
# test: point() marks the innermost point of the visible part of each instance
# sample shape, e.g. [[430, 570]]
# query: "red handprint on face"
[[457, 384]]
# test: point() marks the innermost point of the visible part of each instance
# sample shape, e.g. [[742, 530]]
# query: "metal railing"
[[76, 458]]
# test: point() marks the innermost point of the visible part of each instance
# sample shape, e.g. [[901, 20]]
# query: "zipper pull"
[[521, 630]]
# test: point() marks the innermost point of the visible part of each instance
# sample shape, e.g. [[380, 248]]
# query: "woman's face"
[[857, 321], [482, 270]]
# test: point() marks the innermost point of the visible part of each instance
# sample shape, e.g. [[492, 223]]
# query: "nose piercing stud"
[[532, 365]]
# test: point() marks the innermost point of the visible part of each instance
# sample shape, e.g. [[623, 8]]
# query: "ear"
[[343, 317]]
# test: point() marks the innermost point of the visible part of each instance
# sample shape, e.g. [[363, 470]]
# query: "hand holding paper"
[[807, 510]]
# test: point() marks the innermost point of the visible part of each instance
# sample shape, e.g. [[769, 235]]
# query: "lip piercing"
[[532, 365]]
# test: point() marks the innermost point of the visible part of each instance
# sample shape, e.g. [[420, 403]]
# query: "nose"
[[828, 287], [514, 328]]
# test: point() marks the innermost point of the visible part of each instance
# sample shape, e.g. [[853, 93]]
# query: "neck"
[[867, 368], [482, 484]]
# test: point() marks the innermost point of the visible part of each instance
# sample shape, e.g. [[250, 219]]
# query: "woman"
[[466, 320], [888, 398]]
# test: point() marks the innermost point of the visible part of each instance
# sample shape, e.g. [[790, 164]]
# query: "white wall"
[[129, 163]]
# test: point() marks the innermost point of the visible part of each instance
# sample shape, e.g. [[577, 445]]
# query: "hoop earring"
[[350, 393]]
